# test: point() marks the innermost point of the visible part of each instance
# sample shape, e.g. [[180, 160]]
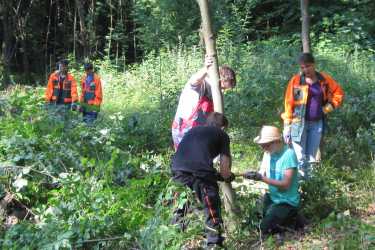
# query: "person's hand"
[[208, 61], [287, 134], [231, 178], [253, 175], [327, 108]]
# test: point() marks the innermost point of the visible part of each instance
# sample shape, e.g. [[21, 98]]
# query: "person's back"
[[199, 147]]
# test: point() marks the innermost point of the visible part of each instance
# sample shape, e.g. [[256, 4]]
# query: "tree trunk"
[[305, 35], [83, 30], [8, 45], [209, 39]]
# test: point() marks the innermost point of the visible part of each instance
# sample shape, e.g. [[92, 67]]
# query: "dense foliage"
[[107, 186], [37, 33]]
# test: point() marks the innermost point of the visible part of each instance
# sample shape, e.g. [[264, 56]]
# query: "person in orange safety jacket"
[[91, 95], [309, 97], [62, 87]]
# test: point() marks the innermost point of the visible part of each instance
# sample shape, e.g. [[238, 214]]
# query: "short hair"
[[88, 66], [227, 74], [64, 62], [306, 58], [217, 120]]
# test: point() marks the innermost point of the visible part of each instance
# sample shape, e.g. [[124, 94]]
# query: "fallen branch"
[[104, 239]]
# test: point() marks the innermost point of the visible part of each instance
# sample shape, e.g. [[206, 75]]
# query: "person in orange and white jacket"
[[309, 97], [62, 87], [91, 95]]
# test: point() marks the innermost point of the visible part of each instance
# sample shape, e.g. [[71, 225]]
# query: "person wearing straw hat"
[[279, 169]]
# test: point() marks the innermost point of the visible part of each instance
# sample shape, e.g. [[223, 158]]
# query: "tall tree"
[[305, 34], [83, 34], [8, 46], [209, 39]]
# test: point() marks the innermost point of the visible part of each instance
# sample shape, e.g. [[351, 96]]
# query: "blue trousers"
[[307, 148], [90, 117]]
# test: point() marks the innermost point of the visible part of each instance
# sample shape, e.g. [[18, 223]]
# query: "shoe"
[[214, 246]]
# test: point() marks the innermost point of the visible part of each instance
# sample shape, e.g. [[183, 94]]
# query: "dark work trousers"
[[89, 116], [207, 192], [276, 216]]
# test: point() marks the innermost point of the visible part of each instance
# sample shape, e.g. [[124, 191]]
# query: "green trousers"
[[276, 216]]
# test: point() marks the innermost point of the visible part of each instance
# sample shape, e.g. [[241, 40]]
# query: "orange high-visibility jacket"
[[296, 99], [91, 94], [68, 88]]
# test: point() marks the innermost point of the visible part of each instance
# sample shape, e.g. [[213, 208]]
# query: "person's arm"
[[198, 78], [49, 89], [81, 97], [335, 94], [98, 91], [284, 183], [73, 90]]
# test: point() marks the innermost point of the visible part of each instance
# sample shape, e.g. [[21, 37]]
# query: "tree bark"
[[8, 44], [209, 39], [305, 34], [84, 37]]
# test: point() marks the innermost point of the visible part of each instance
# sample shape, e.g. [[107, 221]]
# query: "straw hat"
[[268, 134]]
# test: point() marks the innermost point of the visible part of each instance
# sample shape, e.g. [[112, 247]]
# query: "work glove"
[[287, 134], [253, 175], [231, 178], [327, 108]]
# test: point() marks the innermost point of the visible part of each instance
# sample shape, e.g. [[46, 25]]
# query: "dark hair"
[[227, 74], [217, 120], [62, 62], [306, 58], [88, 66]]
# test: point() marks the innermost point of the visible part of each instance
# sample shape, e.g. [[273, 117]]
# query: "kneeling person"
[[279, 170], [193, 167]]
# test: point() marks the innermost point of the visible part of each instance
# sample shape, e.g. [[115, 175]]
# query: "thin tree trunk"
[[110, 28], [82, 25], [8, 46], [74, 33], [226, 188], [46, 59], [305, 35]]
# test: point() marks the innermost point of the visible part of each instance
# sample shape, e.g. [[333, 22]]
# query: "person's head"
[[88, 67], [269, 139], [306, 62], [227, 77], [62, 66], [217, 120]]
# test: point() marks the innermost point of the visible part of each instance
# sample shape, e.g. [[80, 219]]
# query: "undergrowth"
[[108, 185]]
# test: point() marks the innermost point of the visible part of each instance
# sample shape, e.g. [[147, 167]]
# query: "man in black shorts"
[[192, 166]]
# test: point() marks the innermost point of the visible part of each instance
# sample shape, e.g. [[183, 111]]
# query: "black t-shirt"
[[199, 147]]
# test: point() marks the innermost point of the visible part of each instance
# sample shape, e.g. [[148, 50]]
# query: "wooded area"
[[66, 184], [35, 33]]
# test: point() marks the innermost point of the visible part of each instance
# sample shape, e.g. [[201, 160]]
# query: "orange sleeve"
[[73, 90], [83, 79], [49, 89], [287, 116], [98, 92], [335, 92]]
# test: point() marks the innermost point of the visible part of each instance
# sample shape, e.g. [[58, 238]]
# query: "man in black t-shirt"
[[192, 166]]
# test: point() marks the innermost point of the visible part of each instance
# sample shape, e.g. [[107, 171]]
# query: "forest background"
[[66, 185]]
